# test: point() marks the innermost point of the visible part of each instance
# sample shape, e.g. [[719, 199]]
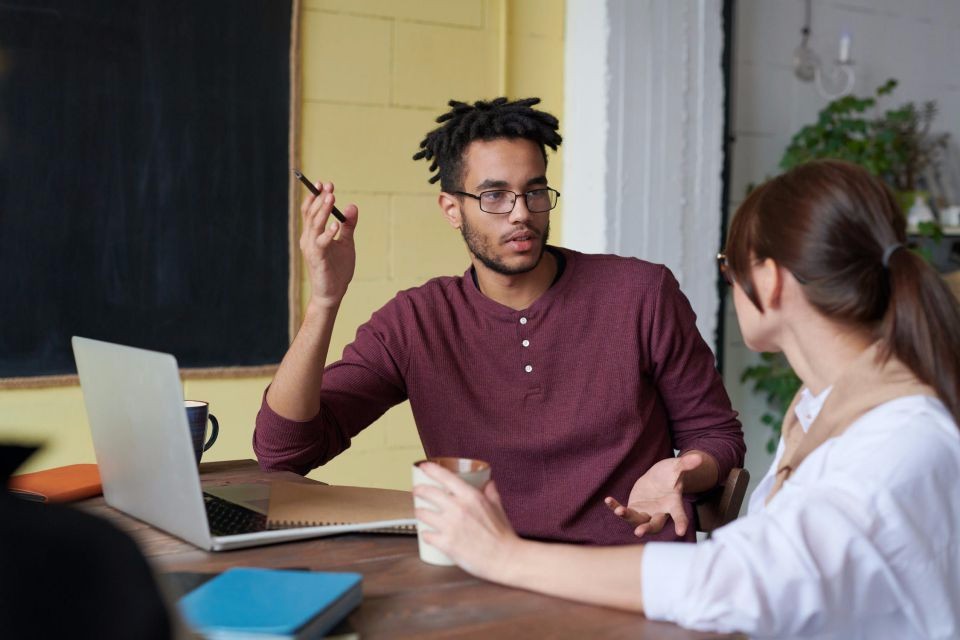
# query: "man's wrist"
[[321, 307], [704, 476]]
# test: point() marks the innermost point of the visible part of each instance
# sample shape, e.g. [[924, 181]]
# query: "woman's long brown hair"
[[829, 222]]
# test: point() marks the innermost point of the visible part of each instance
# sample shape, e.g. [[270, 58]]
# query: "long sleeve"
[[570, 400], [860, 543], [357, 390], [685, 373]]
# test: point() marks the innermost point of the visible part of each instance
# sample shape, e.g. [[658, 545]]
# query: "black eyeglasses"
[[501, 201], [724, 268]]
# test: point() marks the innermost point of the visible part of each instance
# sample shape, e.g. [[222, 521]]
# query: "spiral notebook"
[[316, 505]]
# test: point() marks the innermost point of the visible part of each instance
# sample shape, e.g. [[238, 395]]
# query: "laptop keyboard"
[[227, 518]]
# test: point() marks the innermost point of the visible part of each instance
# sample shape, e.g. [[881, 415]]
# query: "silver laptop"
[[141, 438]]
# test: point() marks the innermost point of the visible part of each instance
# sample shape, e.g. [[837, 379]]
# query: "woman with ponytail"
[[855, 530]]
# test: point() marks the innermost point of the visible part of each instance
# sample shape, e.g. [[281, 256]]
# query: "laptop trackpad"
[[252, 496]]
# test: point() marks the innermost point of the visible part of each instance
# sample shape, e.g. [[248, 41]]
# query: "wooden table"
[[403, 597]]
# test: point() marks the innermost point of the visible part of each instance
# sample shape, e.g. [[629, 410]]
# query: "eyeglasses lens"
[[724, 268]]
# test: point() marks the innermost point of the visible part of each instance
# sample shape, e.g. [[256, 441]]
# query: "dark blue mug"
[[197, 413]]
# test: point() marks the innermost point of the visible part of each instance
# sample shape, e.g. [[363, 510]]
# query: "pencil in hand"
[[313, 189]]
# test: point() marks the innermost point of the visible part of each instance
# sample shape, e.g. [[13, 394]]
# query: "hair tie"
[[889, 252]]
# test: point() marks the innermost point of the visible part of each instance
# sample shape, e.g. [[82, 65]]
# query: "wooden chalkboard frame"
[[295, 269]]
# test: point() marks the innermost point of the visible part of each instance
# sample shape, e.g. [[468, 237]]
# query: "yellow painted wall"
[[375, 74]]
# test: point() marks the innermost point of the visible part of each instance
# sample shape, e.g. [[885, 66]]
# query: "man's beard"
[[480, 247]]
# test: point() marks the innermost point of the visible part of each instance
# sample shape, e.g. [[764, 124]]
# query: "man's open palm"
[[656, 496]]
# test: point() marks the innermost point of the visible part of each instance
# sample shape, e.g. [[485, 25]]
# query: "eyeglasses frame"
[[516, 196], [727, 274], [724, 268]]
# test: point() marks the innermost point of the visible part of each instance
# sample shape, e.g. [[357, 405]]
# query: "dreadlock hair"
[[499, 118]]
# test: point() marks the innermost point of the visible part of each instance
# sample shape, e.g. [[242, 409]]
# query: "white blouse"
[[862, 541]]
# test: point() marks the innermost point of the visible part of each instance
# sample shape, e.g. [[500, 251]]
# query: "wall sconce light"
[[832, 83]]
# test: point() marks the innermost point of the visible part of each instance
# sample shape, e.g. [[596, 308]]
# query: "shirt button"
[[523, 321], [528, 368], [525, 343]]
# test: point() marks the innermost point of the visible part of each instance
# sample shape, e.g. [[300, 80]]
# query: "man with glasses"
[[575, 376]]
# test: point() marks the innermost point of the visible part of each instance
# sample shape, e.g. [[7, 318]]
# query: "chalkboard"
[[144, 180]]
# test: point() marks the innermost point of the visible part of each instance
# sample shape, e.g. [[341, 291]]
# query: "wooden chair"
[[723, 505], [953, 281]]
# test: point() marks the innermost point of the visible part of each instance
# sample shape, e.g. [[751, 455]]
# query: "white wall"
[[627, 61], [915, 41], [643, 135]]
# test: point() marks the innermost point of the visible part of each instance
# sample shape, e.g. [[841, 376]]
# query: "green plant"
[[777, 381], [895, 145]]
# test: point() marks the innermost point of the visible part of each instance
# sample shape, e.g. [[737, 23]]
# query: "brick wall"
[[916, 42], [376, 74]]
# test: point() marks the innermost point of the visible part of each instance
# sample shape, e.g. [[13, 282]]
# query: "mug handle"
[[214, 432]]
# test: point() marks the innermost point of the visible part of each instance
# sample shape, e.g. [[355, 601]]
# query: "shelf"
[[948, 232]]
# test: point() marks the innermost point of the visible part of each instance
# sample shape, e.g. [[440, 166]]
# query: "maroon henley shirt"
[[570, 400]]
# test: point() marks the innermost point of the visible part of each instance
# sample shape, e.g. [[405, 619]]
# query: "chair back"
[[723, 505], [953, 281]]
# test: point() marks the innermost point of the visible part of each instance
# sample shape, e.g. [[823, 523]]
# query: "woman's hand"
[[470, 526]]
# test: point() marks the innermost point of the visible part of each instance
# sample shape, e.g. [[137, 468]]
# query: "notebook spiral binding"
[[295, 524]]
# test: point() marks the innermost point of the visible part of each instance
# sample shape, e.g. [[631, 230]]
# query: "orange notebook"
[[60, 484]]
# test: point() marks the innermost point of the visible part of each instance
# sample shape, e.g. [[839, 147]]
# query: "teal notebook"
[[271, 603]]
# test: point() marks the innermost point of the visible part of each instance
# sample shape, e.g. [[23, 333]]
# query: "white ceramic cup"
[[474, 472], [950, 216]]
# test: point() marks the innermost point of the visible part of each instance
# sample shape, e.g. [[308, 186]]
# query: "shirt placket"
[[526, 336]]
